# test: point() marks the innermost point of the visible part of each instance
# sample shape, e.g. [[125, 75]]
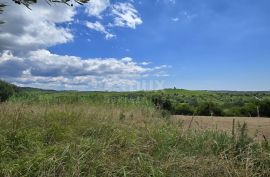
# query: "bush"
[[209, 109], [183, 109], [6, 91], [265, 108], [163, 103], [249, 110]]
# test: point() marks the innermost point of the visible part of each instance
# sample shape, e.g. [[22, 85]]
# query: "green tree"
[[264, 107], [183, 109], [6, 91], [249, 110], [209, 109]]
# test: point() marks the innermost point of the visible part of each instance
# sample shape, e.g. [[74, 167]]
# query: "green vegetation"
[[208, 103], [174, 101], [50, 133], [6, 90], [91, 139]]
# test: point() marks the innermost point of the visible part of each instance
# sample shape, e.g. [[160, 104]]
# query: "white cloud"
[[46, 70], [26, 34], [176, 19], [125, 15], [145, 63], [122, 14], [162, 67], [39, 28], [96, 7], [26, 29], [100, 28], [126, 59]]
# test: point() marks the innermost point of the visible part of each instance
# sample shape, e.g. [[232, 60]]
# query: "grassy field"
[[257, 128], [49, 133], [86, 139]]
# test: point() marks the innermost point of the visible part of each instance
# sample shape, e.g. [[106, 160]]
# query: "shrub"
[[163, 103], [264, 106], [6, 91], [249, 110], [209, 109], [183, 109]]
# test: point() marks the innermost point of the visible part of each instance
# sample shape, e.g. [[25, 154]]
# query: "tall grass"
[[89, 139]]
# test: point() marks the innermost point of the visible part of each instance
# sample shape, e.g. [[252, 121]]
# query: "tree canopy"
[[6, 90]]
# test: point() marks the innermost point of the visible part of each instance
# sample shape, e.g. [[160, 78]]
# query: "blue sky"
[[195, 44]]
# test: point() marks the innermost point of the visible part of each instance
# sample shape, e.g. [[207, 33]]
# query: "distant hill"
[[174, 101], [166, 90], [35, 89]]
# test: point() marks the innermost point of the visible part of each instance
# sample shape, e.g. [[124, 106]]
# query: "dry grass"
[[95, 140], [257, 127]]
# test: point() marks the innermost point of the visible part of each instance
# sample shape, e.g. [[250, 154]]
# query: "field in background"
[[257, 127], [174, 101]]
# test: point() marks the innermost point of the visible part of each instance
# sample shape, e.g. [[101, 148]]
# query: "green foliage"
[[174, 101], [183, 109], [249, 110], [162, 102], [87, 139], [243, 140], [6, 91], [205, 103], [209, 109], [264, 107]]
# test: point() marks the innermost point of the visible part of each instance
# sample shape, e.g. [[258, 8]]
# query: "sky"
[[138, 45]]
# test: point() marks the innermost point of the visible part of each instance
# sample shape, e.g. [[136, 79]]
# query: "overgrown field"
[[108, 139], [49, 133]]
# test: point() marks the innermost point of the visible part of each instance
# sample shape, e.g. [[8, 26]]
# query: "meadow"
[[49, 133], [258, 128]]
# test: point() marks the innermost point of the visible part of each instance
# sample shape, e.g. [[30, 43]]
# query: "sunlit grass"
[[85, 139]]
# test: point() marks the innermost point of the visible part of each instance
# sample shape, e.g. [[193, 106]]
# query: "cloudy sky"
[[134, 45]]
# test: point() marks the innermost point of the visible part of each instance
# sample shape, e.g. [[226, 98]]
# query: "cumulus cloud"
[[43, 69], [97, 26], [96, 7], [41, 27], [125, 15], [26, 35], [26, 29], [121, 14], [43, 63]]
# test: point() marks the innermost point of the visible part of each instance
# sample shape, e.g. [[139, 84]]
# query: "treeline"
[[193, 105], [173, 101], [7, 90]]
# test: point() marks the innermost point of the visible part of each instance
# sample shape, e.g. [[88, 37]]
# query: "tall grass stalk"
[[89, 139]]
